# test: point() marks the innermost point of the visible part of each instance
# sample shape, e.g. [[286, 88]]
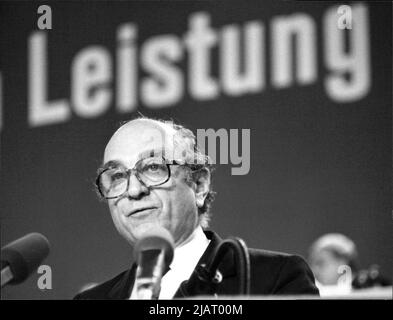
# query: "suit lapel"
[[123, 288], [227, 267]]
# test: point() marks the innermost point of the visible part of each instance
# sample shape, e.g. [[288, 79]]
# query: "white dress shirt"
[[185, 259]]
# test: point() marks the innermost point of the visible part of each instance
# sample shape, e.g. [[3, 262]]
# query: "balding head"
[[176, 203], [139, 138]]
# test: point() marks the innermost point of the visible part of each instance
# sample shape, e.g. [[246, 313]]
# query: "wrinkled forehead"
[[140, 139]]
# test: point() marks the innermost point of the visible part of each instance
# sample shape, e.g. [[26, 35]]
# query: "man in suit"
[[154, 175]]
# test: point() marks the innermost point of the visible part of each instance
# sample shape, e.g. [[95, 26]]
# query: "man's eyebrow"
[[142, 155], [110, 164]]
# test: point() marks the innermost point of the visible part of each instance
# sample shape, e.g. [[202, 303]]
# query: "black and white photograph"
[[207, 150]]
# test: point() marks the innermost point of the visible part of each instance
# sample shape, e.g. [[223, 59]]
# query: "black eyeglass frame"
[[168, 163]]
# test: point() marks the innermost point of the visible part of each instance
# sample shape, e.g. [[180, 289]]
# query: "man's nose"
[[136, 189]]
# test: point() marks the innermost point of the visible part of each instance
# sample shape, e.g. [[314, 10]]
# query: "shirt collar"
[[189, 253]]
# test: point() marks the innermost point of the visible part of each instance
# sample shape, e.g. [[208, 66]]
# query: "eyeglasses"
[[113, 182]]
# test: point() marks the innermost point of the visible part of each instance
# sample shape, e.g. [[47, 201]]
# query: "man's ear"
[[202, 182]]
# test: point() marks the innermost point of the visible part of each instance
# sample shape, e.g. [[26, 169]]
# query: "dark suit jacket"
[[272, 273]]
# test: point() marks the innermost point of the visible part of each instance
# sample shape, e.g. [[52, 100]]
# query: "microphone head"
[[157, 238], [24, 255]]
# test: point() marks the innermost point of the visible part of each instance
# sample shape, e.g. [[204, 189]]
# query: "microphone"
[[21, 257], [153, 253]]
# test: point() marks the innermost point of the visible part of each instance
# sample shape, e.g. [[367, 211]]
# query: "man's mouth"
[[140, 210]]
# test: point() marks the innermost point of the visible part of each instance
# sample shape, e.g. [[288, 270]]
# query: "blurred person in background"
[[333, 259]]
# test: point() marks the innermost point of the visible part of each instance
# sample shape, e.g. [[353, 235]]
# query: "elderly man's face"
[[171, 205]]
